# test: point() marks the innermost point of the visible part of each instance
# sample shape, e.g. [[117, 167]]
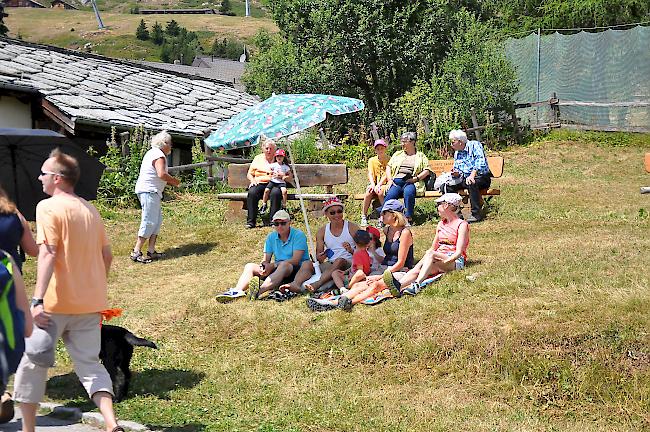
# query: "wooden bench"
[[309, 175], [438, 166]]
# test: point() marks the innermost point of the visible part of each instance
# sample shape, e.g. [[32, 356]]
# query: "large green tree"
[[141, 32], [369, 48]]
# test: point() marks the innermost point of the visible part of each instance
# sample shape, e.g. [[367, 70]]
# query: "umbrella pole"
[[312, 248]]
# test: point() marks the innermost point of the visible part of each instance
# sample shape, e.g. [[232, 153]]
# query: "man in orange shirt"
[[73, 262]]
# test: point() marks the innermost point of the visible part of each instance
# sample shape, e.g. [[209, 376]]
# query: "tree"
[[373, 49], [141, 32], [157, 35], [227, 48], [172, 28], [3, 28], [183, 47]]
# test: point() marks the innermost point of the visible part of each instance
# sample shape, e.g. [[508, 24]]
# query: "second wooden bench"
[[309, 175]]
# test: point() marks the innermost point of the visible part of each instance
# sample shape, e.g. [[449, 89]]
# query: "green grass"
[[552, 334]]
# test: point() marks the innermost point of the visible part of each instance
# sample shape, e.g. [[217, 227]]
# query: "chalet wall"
[[14, 113]]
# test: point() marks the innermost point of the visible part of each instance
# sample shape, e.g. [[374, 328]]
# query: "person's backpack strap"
[[6, 283]]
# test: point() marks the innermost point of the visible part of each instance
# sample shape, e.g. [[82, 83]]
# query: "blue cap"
[[393, 205]]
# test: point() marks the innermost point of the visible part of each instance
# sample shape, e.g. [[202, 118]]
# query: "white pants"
[[82, 337]]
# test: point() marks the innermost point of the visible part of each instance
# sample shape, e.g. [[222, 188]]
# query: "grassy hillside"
[[550, 333], [73, 29]]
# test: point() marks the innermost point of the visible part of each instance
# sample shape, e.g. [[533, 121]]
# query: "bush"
[[117, 185], [475, 74]]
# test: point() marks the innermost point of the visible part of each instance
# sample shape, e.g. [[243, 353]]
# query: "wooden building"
[[60, 4], [23, 3]]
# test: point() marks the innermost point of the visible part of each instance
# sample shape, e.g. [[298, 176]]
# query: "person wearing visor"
[[377, 182], [447, 253], [287, 246], [406, 173]]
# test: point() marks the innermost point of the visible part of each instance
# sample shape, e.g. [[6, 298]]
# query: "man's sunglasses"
[[333, 212], [44, 173], [280, 223]]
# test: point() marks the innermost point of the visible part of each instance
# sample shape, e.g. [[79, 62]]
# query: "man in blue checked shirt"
[[471, 164]]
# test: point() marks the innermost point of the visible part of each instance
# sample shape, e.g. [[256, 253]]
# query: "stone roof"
[[228, 75], [223, 69], [92, 89]]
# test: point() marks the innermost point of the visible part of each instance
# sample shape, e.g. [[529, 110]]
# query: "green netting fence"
[[602, 79]]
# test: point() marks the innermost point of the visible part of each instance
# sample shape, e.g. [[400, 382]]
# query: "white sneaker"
[[364, 221], [230, 295]]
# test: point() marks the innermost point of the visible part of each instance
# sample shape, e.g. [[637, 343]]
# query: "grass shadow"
[[189, 249], [153, 382], [160, 383]]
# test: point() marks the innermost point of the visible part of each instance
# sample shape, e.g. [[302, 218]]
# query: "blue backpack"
[[12, 321]]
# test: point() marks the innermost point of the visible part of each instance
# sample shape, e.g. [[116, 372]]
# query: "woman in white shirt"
[[149, 188]]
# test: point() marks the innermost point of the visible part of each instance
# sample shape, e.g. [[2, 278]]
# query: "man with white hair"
[[149, 187], [471, 164]]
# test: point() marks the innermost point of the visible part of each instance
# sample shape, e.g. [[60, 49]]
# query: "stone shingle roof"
[[92, 89], [223, 69], [205, 72]]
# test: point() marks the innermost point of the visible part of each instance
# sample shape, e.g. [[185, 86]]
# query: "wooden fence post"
[[208, 153], [555, 108], [515, 124], [477, 133], [124, 142]]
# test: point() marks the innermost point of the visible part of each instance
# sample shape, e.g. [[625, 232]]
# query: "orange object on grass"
[[109, 314]]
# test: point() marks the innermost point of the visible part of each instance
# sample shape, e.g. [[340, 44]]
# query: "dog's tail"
[[138, 341]]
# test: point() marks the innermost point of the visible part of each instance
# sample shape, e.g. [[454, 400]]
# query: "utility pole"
[[99, 19], [248, 9]]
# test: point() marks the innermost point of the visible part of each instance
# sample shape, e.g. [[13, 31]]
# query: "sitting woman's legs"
[[395, 191], [409, 200], [338, 276], [433, 263]]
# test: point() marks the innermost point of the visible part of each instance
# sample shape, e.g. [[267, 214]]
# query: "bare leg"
[[273, 281], [139, 243], [267, 194], [28, 411], [326, 276], [152, 243], [359, 276], [427, 262], [367, 199], [104, 402], [367, 290], [306, 271], [284, 196], [381, 195], [250, 270], [338, 276]]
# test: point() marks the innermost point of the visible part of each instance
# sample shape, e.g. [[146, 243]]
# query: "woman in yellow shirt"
[[377, 182]]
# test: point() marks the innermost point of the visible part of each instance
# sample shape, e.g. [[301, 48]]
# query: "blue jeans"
[[400, 188]]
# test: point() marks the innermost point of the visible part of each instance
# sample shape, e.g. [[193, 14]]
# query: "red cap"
[[280, 152], [374, 231]]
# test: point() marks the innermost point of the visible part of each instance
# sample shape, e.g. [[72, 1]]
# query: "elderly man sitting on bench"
[[471, 164]]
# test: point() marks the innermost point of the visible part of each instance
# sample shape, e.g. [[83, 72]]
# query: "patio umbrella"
[[280, 116], [22, 153]]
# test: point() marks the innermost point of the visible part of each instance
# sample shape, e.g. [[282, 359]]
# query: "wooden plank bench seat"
[[439, 166], [310, 175]]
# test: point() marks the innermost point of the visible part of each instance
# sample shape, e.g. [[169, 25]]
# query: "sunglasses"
[[44, 173], [280, 223], [333, 212]]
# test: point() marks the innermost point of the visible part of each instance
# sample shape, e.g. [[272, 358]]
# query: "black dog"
[[116, 352]]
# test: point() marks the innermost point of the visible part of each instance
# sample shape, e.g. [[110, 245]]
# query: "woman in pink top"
[[448, 252]]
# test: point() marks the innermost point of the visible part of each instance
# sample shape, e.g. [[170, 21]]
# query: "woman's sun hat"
[[450, 198], [334, 201], [393, 205]]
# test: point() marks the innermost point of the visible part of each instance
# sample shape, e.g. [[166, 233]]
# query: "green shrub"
[[117, 185], [475, 74]]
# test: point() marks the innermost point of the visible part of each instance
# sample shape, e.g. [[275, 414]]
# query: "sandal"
[[138, 257], [6, 408], [118, 429], [155, 255]]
